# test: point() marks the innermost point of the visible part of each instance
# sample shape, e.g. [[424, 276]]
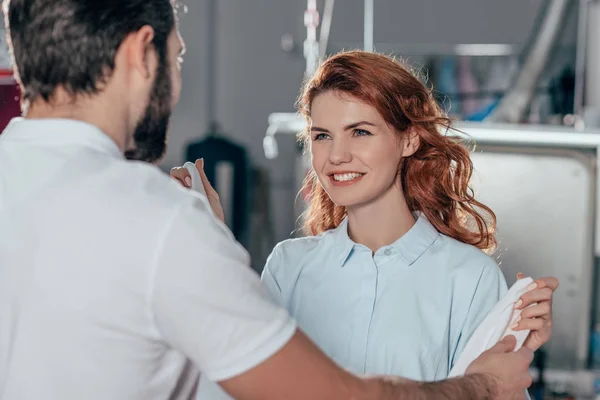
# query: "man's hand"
[[507, 370], [182, 175], [537, 311]]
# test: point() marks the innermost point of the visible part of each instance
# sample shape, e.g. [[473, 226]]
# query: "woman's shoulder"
[[470, 269], [465, 257], [303, 246], [293, 254]]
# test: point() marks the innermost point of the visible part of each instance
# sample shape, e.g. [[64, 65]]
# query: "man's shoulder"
[[145, 183], [131, 191]]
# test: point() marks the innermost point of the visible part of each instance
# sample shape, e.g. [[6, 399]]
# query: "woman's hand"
[[536, 314], [182, 175]]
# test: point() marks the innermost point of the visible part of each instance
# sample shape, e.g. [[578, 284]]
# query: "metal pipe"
[[311, 46], [514, 104], [481, 133], [325, 29], [368, 25], [211, 70], [529, 135], [592, 85], [582, 28]]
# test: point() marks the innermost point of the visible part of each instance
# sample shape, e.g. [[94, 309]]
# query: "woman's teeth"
[[346, 177]]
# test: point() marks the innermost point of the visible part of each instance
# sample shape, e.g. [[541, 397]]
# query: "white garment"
[[197, 184], [116, 282], [494, 328]]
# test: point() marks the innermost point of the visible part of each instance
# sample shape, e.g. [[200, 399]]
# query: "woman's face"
[[355, 153]]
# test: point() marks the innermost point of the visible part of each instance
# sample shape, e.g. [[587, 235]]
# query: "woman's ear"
[[411, 142]]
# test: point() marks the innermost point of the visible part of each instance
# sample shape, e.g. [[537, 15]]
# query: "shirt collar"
[[417, 240], [410, 246], [60, 132], [343, 241]]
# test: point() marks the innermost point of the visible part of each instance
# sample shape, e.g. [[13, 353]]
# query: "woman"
[[394, 276]]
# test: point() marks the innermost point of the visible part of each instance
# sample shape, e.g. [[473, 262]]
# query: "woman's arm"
[[490, 287], [479, 290], [269, 276]]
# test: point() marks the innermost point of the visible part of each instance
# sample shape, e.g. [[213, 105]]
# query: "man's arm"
[[300, 371], [206, 302]]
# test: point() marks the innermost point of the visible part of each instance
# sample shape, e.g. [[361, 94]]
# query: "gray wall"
[[255, 77]]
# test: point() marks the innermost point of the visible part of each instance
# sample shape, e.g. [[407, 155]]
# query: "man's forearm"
[[301, 371], [472, 387]]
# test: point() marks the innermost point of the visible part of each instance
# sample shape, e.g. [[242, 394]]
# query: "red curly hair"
[[435, 179]]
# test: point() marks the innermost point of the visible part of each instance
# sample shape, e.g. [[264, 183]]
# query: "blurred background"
[[522, 77]]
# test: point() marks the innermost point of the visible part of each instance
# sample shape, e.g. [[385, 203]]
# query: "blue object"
[[484, 112], [447, 81], [595, 347]]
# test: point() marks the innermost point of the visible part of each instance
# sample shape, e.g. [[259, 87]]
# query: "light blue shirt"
[[408, 310]]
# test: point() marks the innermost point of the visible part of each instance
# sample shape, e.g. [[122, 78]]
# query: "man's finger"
[[526, 354], [506, 345]]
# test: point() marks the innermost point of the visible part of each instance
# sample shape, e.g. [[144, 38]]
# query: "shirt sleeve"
[[269, 278], [490, 286], [208, 303]]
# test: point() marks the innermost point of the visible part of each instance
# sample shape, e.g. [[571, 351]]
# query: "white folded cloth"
[[195, 175], [494, 328]]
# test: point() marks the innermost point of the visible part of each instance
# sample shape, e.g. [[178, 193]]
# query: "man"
[[108, 287]]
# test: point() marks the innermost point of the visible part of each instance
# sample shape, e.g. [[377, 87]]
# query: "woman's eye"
[[362, 132], [321, 136]]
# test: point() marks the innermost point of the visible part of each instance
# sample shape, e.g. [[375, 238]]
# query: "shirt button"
[[388, 252]]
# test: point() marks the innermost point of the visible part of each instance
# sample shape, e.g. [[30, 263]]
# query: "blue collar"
[[410, 246]]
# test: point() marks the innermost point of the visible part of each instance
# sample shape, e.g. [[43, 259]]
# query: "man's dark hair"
[[72, 43]]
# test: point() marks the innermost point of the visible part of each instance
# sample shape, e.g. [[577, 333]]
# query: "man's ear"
[[139, 51]]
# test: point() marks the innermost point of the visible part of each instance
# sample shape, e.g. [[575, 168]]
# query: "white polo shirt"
[[115, 282]]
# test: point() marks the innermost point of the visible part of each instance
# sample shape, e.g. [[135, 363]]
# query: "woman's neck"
[[381, 222]]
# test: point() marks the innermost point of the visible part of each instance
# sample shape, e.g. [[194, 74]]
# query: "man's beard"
[[150, 136]]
